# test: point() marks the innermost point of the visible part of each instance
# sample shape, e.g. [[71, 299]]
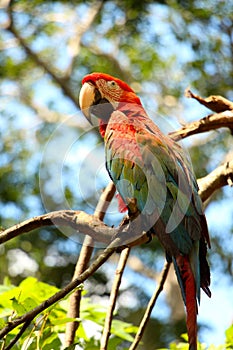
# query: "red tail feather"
[[191, 301]]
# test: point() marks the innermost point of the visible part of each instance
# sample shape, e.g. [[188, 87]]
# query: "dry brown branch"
[[211, 122], [216, 103], [75, 298], [82, 264], [219, 177], [150, 307], [79, 220], [113, 297]]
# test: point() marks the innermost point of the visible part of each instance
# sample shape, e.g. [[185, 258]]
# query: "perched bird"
[[155, 182]]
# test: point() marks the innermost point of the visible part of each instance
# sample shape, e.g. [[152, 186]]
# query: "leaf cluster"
[[49, 327]]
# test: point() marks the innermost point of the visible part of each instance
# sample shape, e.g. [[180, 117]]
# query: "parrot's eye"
[[112, 84]]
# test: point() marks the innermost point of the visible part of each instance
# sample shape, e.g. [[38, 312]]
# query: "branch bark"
[[82, 264], [210, 122], [223, 118], [113, 297], [216, 103], [79, 220], [219, 177]]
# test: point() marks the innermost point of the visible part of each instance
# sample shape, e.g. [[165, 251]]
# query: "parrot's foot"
[[150, 234]]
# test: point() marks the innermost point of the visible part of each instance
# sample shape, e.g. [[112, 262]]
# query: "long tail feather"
[[189, 289]]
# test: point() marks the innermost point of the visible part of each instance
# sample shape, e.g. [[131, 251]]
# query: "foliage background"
[[50, 159]]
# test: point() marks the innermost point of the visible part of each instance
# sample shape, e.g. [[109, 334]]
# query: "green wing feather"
[[150, 168]]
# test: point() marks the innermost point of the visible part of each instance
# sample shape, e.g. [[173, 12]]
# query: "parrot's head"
[[101, 94]]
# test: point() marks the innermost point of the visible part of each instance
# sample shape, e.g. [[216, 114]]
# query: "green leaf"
[[229, 337], [65, 320], [123, 330], [51, 342], [39, 290], [81, 334]]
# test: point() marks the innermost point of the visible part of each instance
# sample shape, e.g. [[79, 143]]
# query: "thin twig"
[[113, 296], [150, 307], [16, 338], [97, 262], [82, 263]]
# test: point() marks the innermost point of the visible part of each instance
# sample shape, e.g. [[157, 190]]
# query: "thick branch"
[[79, 220], [211, 122], [219, 177]]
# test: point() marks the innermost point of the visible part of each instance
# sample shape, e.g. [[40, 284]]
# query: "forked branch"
[[223, 118]]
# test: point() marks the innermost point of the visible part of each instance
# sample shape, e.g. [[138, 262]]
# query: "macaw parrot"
[[155, 182]]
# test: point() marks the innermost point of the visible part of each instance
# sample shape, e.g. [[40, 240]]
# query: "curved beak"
[[87, 98], [93, 104]]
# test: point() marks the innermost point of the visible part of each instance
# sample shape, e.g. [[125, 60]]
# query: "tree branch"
[[75, 298], [223, 118], [219, 177], [17, 337], [113, 296], [216, 103], [79, 220], [82, 264], [150, 307], [211, 122]]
